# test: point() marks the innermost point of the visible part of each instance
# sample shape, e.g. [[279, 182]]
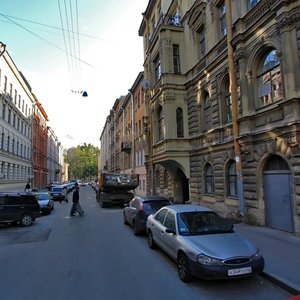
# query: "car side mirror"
[[171, 230]]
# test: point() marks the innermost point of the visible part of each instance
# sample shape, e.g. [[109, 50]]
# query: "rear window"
[[56, 189], [153, 206]]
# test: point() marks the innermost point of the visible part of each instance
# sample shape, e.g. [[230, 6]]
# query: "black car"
[[139, 208], [59, 193], [46, 202], [20, 208]]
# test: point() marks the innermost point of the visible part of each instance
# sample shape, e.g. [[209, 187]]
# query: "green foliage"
[[83, 161]]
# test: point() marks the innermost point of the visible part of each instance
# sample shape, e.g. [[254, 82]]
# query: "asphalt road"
[[98, 257]]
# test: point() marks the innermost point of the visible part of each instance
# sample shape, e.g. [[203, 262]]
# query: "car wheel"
[[151, 242], [125, 220], [26, 220], [183, 268]]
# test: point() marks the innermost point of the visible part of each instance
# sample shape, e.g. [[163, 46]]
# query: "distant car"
[[139, 208], [46, 202], [202, 243], [59, 193], [20, 208]]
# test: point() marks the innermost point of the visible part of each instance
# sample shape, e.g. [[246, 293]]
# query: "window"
[[207, 111], [231, 176], [157, 68], [10, 90], [226, 98], [202, 43], [161, 216], [209, 179], [269, 79], [170, 221], [179, 122], [160, 123], [5, 83], [252, 3], [15, 97], [19, 104], [222, 19], [3, 111], [176, 59]]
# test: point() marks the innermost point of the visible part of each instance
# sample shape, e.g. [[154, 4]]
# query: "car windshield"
[[153, 206], [57, 189], [199, 223], [42, 196]]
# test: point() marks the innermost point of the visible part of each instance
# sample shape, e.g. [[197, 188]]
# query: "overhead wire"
[[43, 39], [65, 42], [55, 27]]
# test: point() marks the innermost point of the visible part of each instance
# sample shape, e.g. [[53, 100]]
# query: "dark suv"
[[19, 207]]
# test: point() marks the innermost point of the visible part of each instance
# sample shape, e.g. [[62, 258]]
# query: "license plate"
[[240, 271]]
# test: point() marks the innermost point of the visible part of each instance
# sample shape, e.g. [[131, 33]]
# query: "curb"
[[288, 287]]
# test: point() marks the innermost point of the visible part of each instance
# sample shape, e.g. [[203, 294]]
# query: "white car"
[[202, 243]]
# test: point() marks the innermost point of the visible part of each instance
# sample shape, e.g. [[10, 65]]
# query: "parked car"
[[139, 208], [202, 243], [46, 202], [20, 208], [59, 193]]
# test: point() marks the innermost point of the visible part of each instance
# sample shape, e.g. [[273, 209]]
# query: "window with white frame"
[[269, 79]]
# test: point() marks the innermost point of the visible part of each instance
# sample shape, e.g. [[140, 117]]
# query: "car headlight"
[[257, 255], [206, 260]]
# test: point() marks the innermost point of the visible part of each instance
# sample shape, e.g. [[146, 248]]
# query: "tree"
[[83, 161]]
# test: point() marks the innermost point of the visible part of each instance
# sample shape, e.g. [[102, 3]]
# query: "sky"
[[64, 47]]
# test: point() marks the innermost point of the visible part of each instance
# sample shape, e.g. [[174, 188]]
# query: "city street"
[[97, 257]]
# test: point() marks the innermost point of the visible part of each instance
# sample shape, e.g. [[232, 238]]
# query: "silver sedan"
[[202, 243]]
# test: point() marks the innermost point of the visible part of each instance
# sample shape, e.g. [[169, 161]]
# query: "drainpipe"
[[234, 98], [132, 133]]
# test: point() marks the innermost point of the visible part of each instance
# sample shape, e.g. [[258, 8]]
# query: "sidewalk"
[[281, 251]]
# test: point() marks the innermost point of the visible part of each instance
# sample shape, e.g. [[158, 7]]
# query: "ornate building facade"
[[194, 122]]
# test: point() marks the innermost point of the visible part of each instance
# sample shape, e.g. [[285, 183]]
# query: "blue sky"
[[111, 56]]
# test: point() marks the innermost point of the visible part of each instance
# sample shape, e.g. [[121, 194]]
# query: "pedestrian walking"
[[76, 207], [27, 187]]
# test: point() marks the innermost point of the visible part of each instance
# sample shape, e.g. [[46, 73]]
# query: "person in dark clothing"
[[76, 205], [27, 187]]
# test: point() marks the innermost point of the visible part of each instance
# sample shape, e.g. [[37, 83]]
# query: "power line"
[[54, 27], [43, 39]]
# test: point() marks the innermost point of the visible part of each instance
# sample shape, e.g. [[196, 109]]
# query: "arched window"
[[209, 179], [160, 115], [252, 3], [231, 177], [269, 79], [179, 122], [227, 101], [207, 111]]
